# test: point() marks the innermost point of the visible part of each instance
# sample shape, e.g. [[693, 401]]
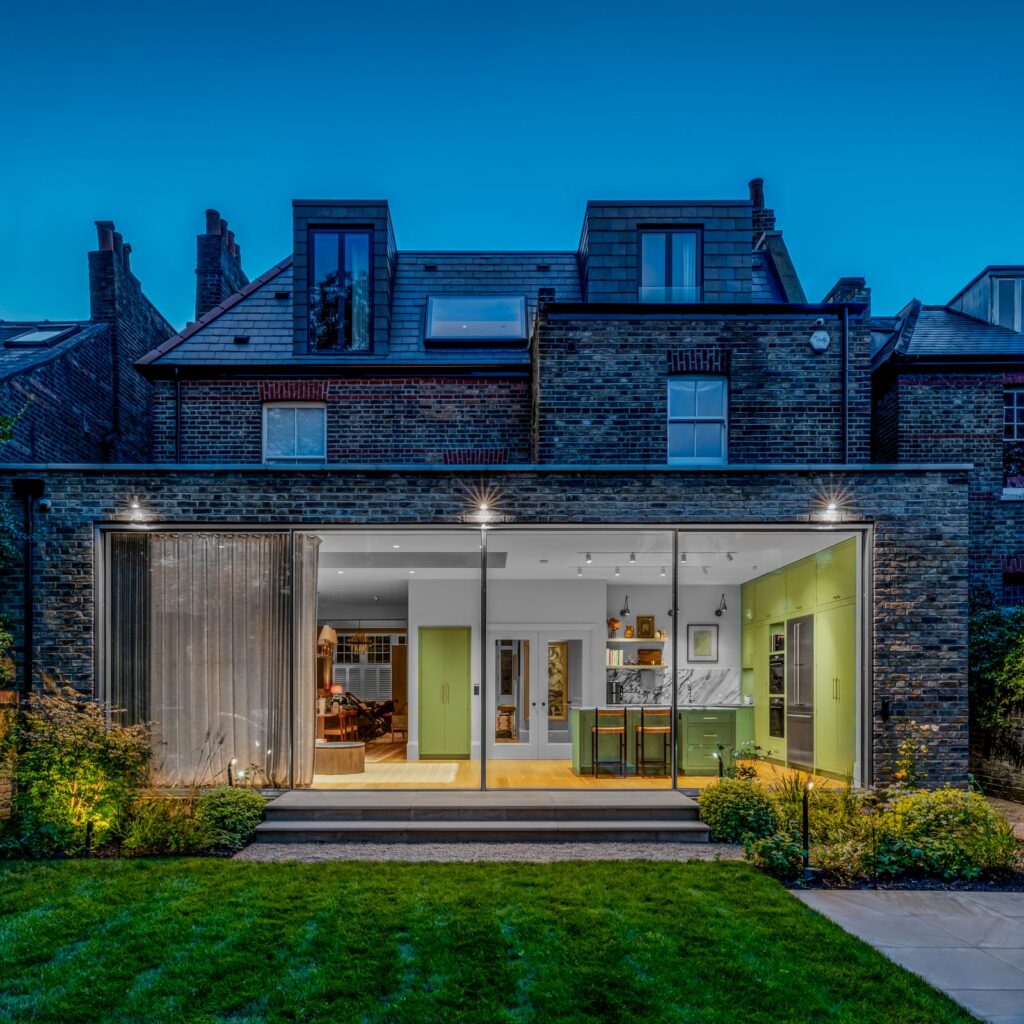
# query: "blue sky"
[[890, 139]]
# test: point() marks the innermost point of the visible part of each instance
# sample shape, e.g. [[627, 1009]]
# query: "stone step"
[[310, 831], [499, 806]]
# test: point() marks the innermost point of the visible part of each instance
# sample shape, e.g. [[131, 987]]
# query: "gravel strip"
[[532, 853]]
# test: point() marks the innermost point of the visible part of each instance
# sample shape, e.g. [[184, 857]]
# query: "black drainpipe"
[[177, 414], [846, 384], [29, 490]]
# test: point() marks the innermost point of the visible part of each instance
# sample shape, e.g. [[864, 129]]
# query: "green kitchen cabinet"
[[837, 573], [801, 587], [444, 691], [835, 665], [770, 597], [700, 733], [760, 683], [747, 610], [747, 647]]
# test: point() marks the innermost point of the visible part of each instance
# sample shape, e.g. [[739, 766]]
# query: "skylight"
[[42, 336], [476, 318]]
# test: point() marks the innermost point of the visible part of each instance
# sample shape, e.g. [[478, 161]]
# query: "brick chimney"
[[218, 264], [763, 217], [849, 289], [136, 326]]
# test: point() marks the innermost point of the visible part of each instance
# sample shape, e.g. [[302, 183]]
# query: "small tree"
[[996, 661]]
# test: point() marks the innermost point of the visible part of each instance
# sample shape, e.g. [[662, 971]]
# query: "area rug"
[[427, 772]]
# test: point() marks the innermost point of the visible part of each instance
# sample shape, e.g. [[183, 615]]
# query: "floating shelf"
[[634, 640]]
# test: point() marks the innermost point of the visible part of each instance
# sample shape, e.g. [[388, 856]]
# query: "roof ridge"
[[207, 318]]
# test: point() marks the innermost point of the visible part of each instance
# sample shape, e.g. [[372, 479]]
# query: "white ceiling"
[[383, 563]]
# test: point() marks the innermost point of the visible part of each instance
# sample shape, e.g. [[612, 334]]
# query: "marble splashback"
[[694, 685]]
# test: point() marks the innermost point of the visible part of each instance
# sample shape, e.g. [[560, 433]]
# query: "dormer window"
[[339, 291], [476, 319], [670, 266], [1006, 302]]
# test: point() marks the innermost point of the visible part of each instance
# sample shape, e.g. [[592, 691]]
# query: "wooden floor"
[[522, 774]]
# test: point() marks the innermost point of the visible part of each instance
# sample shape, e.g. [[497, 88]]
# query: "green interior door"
[[825, 702], [846, 687], [444, 711], [456, 669]]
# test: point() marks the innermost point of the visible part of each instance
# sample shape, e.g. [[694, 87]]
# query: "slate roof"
[[262, 311], [936, 332], [17, 359], [257, 313]]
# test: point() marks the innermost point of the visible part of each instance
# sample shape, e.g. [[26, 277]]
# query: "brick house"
[[640, 470], [71, 384], [948, 384]]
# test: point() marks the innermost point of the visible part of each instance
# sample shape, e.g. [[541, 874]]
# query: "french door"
[[534, 678]]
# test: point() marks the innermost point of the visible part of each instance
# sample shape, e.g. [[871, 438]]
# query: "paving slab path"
[[969, 945]]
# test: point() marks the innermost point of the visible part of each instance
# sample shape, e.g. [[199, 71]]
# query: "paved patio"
[[968, 944]]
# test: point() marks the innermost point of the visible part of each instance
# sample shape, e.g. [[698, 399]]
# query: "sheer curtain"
[[219, 629], [305, 563], [128, 627]]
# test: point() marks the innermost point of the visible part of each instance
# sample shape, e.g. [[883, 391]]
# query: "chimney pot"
[[757, 192], [212, 222], [126, 253], [118, 243], [105, 235], [231, 242], [223, 228]]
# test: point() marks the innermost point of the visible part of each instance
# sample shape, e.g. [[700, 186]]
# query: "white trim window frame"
[[303, 432], [697, 407], [999, 293]]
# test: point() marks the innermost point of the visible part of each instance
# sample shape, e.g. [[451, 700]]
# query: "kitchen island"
[[699, 730]]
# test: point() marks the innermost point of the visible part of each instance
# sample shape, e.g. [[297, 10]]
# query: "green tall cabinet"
[[835, 660], [444, 691]]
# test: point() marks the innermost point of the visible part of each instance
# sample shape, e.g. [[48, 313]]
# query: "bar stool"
[[597, 730], [660, 720]]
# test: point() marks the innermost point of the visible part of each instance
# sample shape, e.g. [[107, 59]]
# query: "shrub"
[[736, 808], [231, 815], [946, 832], [75, 774], [167, 825], [779, 855]]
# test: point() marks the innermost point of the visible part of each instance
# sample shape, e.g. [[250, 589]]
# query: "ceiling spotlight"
[[579, 570], [618, 571], [589, 559], [632, 558], [341, 572], [663, 571], [831, 506], [484, 506], [729, 555], [135, 504], [412, 572]]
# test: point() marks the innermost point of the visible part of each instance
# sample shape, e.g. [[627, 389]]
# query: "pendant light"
[[359, 642]]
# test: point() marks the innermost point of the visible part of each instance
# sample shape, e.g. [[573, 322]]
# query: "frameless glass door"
[[513, 712]]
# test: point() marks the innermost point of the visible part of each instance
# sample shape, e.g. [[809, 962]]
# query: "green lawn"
[[211, 940]]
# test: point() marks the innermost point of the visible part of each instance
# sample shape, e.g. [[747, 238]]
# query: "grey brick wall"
[[369, 419], [919, 553], [602, 386]]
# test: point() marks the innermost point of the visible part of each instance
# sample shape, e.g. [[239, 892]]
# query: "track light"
[[618, 571], [729, 555], [663, 571], [682, 556], [632, 558], [579, 570], [589, 559], [705, 568]]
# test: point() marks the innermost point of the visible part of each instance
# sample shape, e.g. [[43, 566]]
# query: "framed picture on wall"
[[702, 643], [645, 627]]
